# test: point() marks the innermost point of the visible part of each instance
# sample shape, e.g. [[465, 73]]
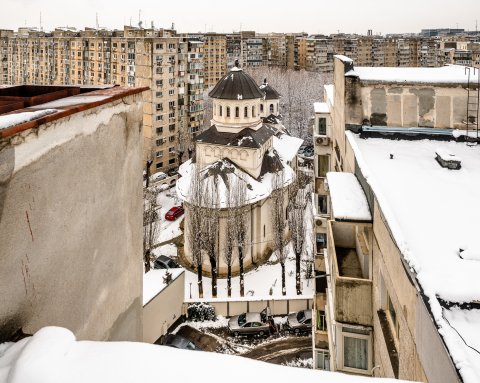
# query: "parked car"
[[300, 321], [309, 151], [158, 176], [249, 324], [164, 262], [174, 213], [177, 341]]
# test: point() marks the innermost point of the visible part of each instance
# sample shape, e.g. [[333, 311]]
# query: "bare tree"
[[296, 221], [278, 221], [207, 108], [151, 224], [299, 90], [194, 221], [239, 190], [229, 237], [209, 228]]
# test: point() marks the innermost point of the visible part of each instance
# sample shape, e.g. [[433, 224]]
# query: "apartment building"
[[158, 59], [387, 308], [215, 57]]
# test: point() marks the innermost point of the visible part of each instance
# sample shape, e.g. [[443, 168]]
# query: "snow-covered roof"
[[8, 120], [432, 213], [344, 58], [222, 174], [321, 107], [153, 282], [450, 74], [348, 199], [54, 355], [287, 146]]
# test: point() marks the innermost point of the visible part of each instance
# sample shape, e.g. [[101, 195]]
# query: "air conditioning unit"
[[323, 141]]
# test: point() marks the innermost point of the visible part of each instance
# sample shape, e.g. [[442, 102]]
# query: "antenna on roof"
[[139, 18], [96, 19]]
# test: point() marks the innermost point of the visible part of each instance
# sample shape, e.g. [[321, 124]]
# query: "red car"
[[174, 213]]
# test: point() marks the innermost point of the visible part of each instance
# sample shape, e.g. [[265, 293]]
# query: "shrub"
[[199, 312]]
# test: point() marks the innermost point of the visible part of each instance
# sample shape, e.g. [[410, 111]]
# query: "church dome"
[[269, 91], [236, 85]]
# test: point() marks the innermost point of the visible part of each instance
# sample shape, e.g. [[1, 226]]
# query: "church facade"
[[245, 148]]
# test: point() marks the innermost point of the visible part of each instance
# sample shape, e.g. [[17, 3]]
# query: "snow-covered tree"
[[299, 90], [209, 228], [297, 205], [194, 221], [151, 224], [279, 223]]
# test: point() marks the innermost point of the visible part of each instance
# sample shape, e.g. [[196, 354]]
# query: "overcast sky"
[[312, 16]]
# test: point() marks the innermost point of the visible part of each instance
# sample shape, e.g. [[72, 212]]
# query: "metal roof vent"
[[448, 160]]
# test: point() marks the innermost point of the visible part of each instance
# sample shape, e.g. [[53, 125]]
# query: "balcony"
[[349, 259]]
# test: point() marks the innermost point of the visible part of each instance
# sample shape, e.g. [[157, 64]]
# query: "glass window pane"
[[355, 353]]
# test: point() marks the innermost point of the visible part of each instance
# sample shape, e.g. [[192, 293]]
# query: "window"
[[159, 118], [356, 346], [220, 111], [261, 108], [323, 360], [271, 109], [321, 321], [322, 126], [171, 139], [392, 315], [160, 153], [159, 130], [253, 111], [171, 92], [323, 164], [263, 231], [159, 165], [171, 161], [355, 353], [237, 112], [321, 242], [159, 141], [245, 112], [322, 204], [228, 111]]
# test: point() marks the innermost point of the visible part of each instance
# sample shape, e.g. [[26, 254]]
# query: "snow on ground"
[[168, 229], [432, 213], [170, 250], [257, 283], [153, 282], [347, 197], [53, 355], [450, 74], [8, 120]]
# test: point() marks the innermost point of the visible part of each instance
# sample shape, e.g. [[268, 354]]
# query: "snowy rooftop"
[[53, 355], [321, 107], [153, 282], [287, 146], [450, 74], [432, 213], [348, 199]]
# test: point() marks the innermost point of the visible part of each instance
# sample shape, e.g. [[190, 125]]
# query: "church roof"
[[247, 138], [236, 85], [270, 92]]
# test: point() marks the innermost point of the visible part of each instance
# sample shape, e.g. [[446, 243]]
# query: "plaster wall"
[[163, 310], [240, 122], [71, 224]]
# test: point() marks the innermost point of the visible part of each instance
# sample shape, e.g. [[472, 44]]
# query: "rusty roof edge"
[[118, 93]]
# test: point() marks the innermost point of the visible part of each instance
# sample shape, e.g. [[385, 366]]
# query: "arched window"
[[220, 110], [263, 231], [253, 111], [237, 112], [245, 112], [271, 109], [228, 111], [261, 108], [214, 110]]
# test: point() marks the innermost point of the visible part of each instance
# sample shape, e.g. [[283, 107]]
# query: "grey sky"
[[312, 16]]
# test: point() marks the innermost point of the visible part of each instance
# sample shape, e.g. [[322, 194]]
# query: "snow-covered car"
[[249, 324], [300, 321], [159, 176]]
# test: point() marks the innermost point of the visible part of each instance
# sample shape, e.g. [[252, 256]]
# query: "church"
[[247, 146]]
